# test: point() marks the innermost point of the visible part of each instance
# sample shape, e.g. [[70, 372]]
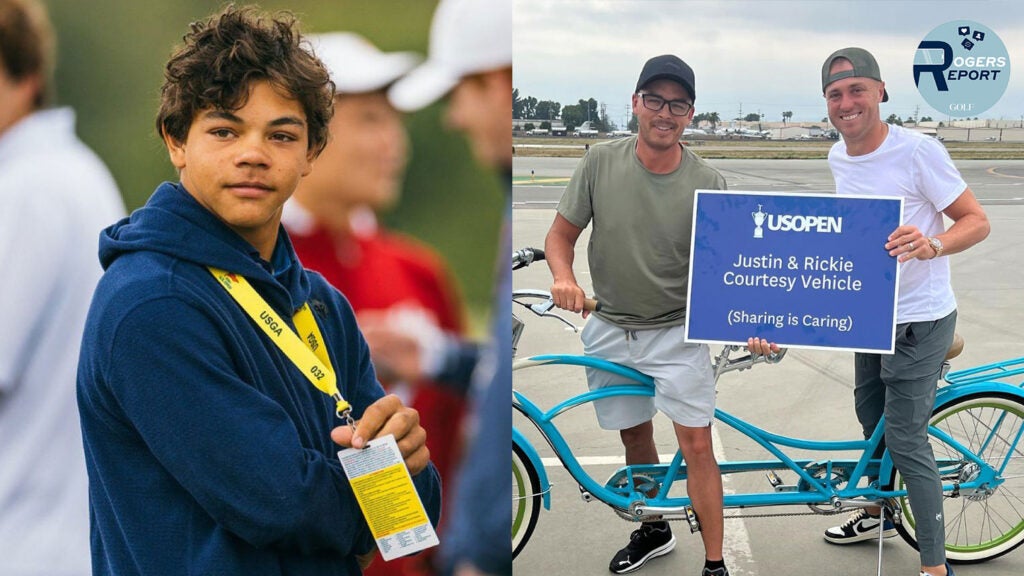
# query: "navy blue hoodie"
[[208, 451]]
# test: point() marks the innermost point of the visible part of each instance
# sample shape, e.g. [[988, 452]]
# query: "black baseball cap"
[[667, 66], [864, 66]]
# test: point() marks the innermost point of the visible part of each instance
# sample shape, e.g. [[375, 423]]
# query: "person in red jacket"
[[395, 284]]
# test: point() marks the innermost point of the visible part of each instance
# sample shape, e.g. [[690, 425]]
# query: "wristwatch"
[[936, 245]]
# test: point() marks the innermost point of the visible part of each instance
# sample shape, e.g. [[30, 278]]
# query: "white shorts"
[[683, 376]]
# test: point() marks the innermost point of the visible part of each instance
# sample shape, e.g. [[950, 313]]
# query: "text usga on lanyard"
[[308, 353]]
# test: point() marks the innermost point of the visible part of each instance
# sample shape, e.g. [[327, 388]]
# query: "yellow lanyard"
[[307, 353]]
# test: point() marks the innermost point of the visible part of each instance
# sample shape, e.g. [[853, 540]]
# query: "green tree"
[[926, 119], [545, 125], [590, 112], [714, 118], [548, 110], [528, 107], [633, 125], [528, 126], [573, 116], [786, 116], [894, 119], [517, 104], [752, 117]]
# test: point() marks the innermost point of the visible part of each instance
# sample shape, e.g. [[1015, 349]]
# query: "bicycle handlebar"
[[526, 256]]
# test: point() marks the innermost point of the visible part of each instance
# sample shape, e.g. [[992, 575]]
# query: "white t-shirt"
[[55, 198], [918, 168]]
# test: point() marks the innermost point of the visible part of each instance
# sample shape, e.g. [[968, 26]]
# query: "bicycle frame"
[[976, 431], [812, 490]]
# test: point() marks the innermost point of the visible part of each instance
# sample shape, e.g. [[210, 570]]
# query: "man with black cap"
[[875, 158], [638, 192]]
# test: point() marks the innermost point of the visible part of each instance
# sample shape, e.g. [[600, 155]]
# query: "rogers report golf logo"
[[961, 68]]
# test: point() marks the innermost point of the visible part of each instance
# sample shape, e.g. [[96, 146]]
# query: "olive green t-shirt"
[[639, 247]]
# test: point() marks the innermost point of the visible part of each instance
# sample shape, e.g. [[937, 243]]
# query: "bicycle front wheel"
[[986, 522], [526, 499]]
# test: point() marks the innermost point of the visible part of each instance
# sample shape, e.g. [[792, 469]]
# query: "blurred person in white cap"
[[470, 58], [55, 197], [406, 303], [471, 61]]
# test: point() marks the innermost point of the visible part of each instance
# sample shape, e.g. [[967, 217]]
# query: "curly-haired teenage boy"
[[209, 451]]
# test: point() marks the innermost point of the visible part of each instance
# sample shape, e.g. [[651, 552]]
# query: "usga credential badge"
[[961, 68]]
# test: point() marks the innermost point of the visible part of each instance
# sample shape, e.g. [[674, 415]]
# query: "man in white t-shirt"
[[875, 158], [55, 197]]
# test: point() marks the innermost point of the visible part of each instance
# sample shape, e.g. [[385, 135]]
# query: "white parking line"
[[736, 540]]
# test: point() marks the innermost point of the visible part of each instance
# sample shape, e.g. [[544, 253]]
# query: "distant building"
[[557, 126]]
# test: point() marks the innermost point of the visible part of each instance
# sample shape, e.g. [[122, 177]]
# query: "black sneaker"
[[723, 571], [648, 541], [860, 526]]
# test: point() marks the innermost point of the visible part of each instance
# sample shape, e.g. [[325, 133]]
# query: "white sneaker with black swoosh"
[[860, 526]]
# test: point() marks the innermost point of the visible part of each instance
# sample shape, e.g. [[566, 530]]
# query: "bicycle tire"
[[983, 524], [526, 499]]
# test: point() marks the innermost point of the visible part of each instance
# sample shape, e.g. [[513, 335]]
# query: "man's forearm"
[[560, 254]]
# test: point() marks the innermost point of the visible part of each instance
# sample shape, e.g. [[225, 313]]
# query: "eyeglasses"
[[655, 103]]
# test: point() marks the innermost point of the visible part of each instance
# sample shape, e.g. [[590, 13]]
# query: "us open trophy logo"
[[759, 217]]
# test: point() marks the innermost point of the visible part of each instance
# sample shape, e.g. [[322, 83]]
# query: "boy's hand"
[[389, 416]]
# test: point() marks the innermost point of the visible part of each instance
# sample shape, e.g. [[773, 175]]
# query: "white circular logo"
[[961, 68]]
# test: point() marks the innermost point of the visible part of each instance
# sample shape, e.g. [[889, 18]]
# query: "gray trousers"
[[902, 385]]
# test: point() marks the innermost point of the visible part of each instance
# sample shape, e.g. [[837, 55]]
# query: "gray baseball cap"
[[864, 66]]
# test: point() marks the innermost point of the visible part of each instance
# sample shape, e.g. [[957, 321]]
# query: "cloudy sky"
[[758, 56]]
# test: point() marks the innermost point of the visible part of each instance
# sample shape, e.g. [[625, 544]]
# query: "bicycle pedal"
[[691, 519], [893, 511], [777, 484]]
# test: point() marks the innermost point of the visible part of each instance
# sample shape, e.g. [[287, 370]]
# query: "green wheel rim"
[[519, 498]]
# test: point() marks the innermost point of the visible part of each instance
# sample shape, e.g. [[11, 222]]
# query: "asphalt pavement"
[[809, 395]]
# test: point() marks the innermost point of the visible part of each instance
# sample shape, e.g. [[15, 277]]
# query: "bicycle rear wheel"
[[987, 522], [526, 499]]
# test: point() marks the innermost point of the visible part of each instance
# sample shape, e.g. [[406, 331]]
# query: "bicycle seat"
[[956, 347]]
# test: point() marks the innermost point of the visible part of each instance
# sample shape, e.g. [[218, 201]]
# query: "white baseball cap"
[[357, 66], [466, 37]]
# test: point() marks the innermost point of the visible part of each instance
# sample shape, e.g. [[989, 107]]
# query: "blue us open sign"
[[802, 270]]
